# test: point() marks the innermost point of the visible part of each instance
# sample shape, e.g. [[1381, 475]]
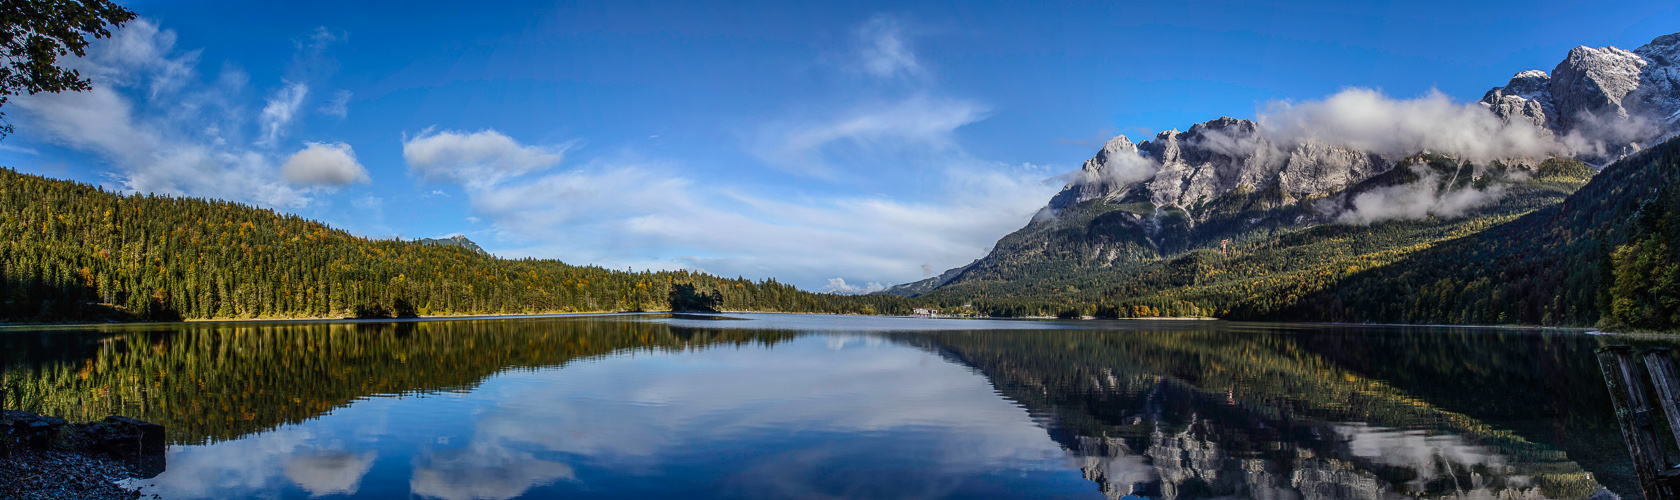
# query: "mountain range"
[[1335, 190]]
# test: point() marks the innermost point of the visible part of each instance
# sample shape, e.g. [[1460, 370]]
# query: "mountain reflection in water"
[[818, 406]]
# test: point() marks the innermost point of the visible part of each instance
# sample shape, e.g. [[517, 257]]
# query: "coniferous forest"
[[74, 252]]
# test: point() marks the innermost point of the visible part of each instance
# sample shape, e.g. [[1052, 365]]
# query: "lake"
[[805, 406]]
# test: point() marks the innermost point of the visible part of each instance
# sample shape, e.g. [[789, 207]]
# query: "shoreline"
[[306, 320], [4, 327], [453, 317]]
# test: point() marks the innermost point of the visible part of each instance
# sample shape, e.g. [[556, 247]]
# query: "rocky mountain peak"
[[1530, 83], [1658, 95], [1099, 175], [1659, 46], [1605, 102], [1223, 123], [1528, 97], [1116, 146], [1591, 84]]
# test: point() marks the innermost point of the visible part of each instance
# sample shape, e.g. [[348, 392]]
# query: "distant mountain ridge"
[[458, 240]]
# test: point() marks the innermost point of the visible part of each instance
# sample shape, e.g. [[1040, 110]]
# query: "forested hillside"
[[73, 252], [1606, 255]]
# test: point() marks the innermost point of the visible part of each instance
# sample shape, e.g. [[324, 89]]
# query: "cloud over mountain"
[[1367, 120]]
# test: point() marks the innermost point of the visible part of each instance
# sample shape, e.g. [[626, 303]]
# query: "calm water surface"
[[792, 406]]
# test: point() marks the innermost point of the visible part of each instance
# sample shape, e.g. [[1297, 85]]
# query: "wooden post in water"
[[1659, 361], [1633, 412]]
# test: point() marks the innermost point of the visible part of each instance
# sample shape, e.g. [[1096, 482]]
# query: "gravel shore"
[[30, 474], [46, 457]]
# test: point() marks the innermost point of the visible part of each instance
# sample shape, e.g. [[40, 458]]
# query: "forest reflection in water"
[[792, 405]]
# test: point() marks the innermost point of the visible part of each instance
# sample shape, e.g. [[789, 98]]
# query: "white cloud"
[[866, 238], [647, 215], [479, 158], [19, 149], [883, 51], [839, 285], [1603, 139], [918, 128], [338, 105], [487, 471], [318, 41], [138, 54], [152, 154], [1365, 119], [329, 472], [1431, 455], [281, 109], [621, 194], [322, 164], [303, 455], [1417, 200], [162, 129], [310, 59]]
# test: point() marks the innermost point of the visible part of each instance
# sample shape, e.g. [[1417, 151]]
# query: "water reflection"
[[329, 472], [810, 406], [1265, 410]]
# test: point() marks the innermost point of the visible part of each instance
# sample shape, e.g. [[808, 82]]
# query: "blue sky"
[[869, 142]]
